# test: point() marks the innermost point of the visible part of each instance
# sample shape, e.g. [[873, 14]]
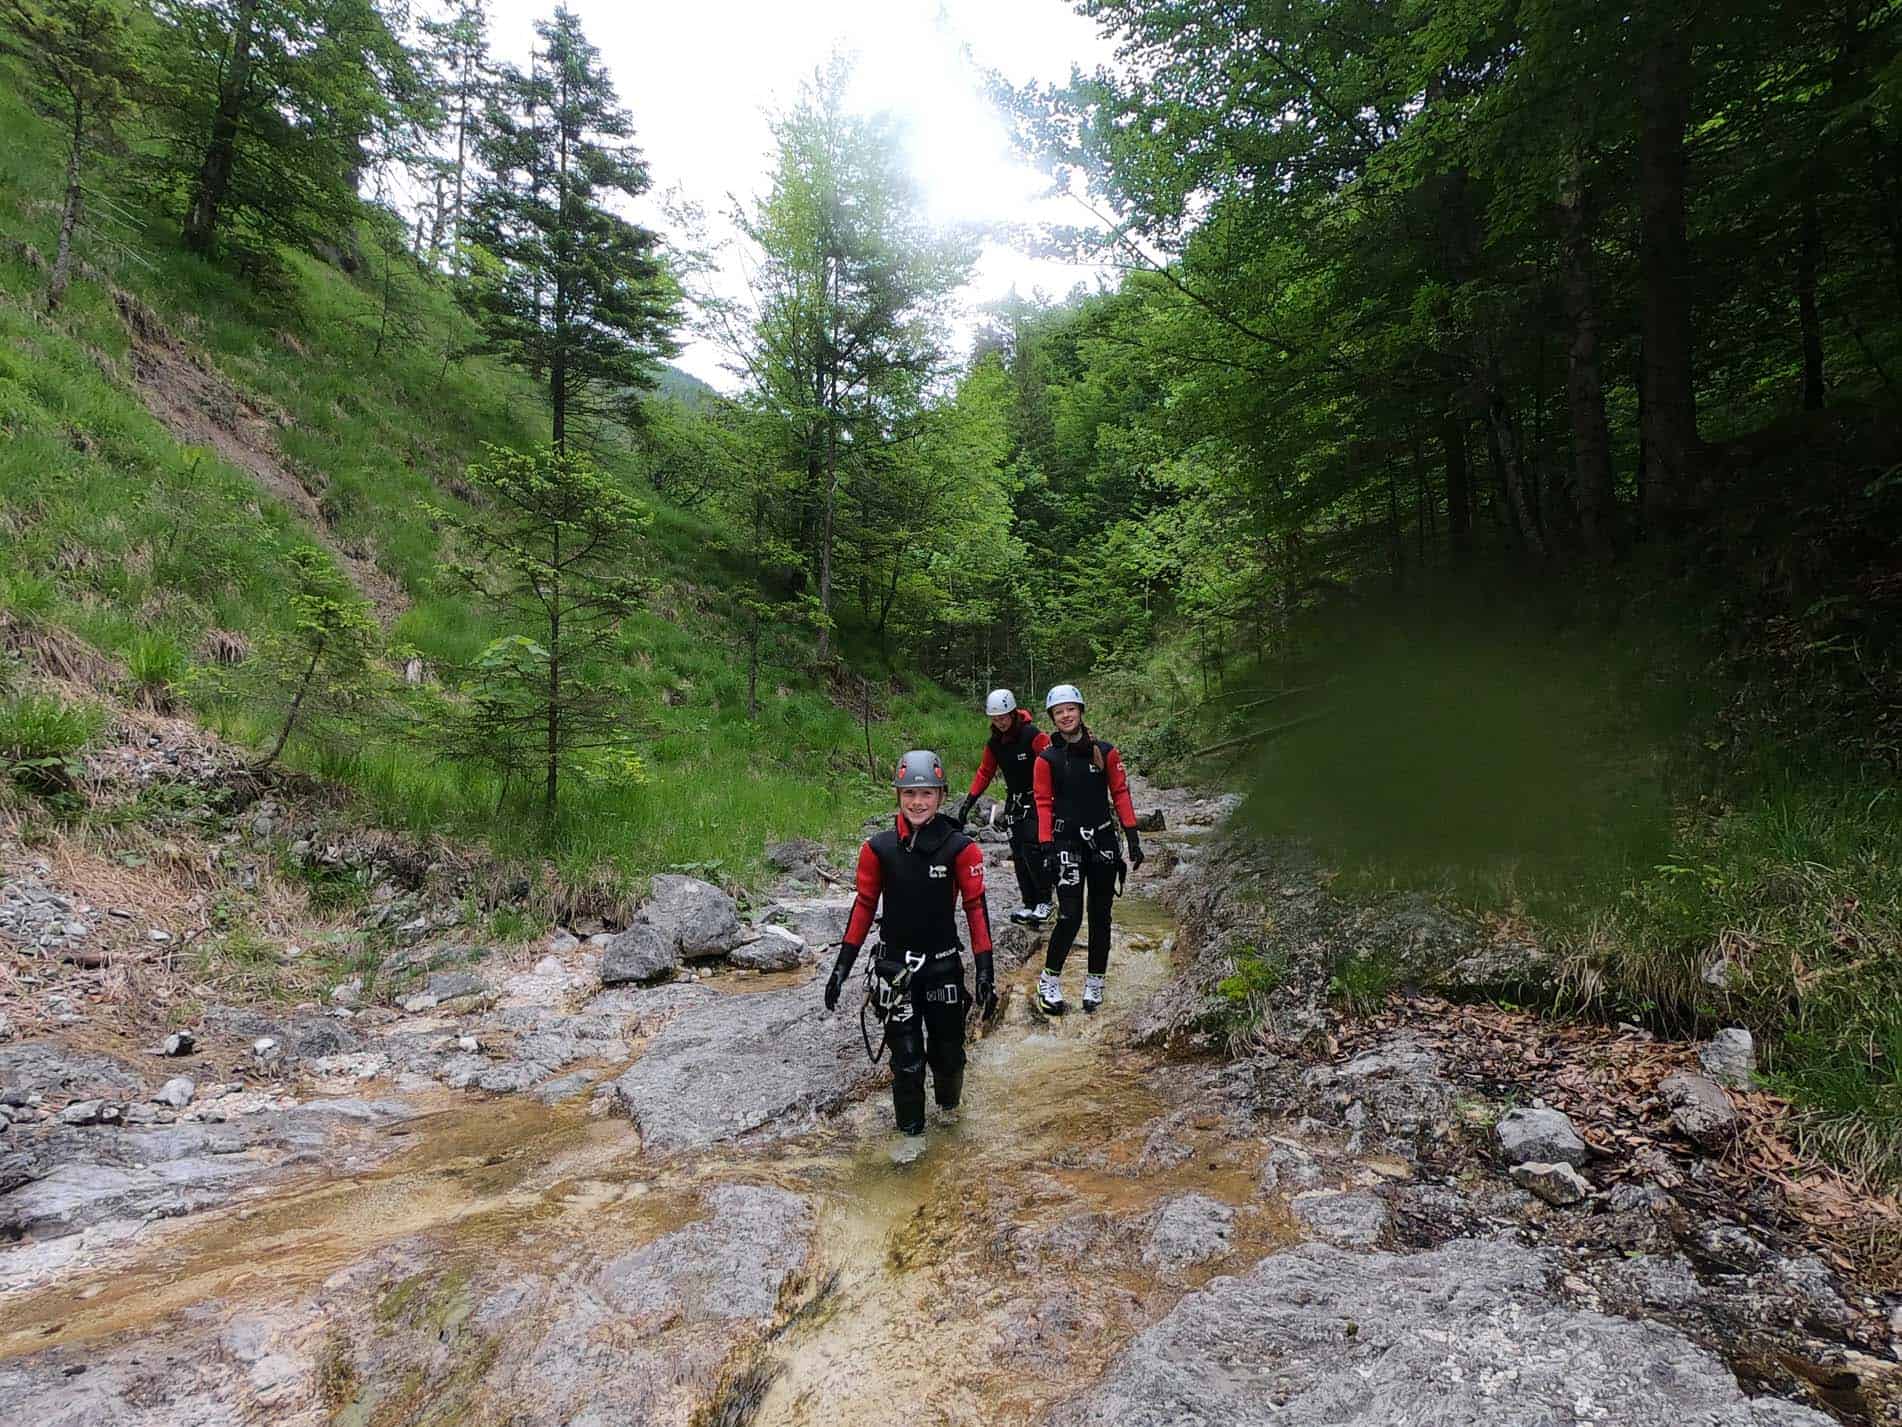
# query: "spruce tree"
[[569, 291]]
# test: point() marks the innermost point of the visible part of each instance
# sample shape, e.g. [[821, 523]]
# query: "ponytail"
[[1096, 749]]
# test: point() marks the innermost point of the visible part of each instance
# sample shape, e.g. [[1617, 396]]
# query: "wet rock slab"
[[733, 1064], [1468, 1333]]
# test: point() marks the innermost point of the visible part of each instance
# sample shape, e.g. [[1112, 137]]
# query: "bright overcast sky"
[[699, 78]]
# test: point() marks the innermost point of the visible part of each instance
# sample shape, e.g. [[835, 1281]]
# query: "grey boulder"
[[1467, 1333], [700, 918], [641, 953], [176, 1092]]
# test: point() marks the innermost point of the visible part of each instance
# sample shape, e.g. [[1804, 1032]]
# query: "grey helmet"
[[1001, 701], [920, 768], [1063, 694]]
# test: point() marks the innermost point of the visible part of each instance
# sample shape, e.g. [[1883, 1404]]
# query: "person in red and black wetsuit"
[[1082, 795], [1012, 750], [921, 869]]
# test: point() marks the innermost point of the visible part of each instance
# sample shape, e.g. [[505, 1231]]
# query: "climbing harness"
[[886, 997]]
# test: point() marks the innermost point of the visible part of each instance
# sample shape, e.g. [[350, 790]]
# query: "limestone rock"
[[641, 953], [776, 949], [1700, 1109], [1356, 1220], [1730, 1058], [1554, 1183], [1469, 1332], [1539, 1136], [700, 918], [1188, 1229], [176, 1092]]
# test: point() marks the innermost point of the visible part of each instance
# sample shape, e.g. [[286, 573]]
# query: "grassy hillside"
[[168, 436]]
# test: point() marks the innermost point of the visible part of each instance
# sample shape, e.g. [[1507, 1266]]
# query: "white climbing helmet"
[[1001, 701], [1063, 694]]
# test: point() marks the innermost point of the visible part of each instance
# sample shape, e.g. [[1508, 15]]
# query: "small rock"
[[1539, 1136], [1700, 1109], [1151, 821], [158, 936], [92, 1112], [775, 950], [563, 942], [1353, 1220], [6, 1029], [180, 1043], [1730, 1058], [266, 1049], [176, 1092], [468, 1044], [1554, 1183], [348, 994]]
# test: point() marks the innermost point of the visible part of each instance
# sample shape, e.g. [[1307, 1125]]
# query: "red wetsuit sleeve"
[[870, 882], [1038, 742], [1044, 791], [1119, 788], [986, 770], [970, 874]]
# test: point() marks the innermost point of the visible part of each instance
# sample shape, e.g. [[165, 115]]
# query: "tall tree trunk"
[[1508, 454], [552, 787], [462, 148], [1459, 493], [1809, 253], [221, 152], [1670, 392], [1591, 435], [69, 214]]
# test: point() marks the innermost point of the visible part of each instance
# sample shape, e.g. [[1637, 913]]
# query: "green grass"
[[150, 549], [41, 738]]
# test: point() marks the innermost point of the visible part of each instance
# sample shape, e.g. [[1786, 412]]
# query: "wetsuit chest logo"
[[938, 869]]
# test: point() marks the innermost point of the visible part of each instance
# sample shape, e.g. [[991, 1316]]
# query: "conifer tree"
[[568, 290]]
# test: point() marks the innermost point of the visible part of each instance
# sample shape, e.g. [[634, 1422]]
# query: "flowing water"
[[977, 1284]]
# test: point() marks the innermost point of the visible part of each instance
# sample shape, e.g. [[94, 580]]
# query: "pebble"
[[158, 936], [468, 1043], [179, 1043], [176, 1092]]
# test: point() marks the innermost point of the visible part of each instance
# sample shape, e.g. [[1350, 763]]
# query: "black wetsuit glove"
[[1135, 848], [964, 809], [841, 969], [986, 985]]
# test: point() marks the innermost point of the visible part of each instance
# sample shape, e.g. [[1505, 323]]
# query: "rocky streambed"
[[542, 1199]]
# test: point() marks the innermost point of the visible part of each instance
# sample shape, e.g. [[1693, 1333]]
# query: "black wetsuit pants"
[[1025, 858], [928, 1029], [1094, 886]]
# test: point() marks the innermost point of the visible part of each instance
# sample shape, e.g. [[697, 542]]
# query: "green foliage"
[[1362, 981], [318, 678], [79, 63], [159, 666], [1259, 972], [556, 545], [269, 110], [1778, 913], [567, 289], [41, 740]]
